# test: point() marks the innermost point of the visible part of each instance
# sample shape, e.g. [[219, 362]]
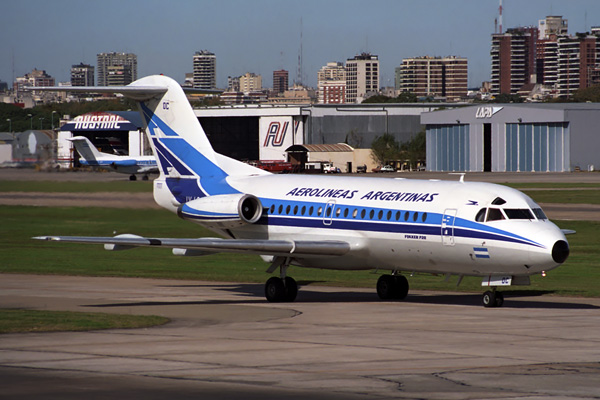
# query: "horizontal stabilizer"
[[139, 93], [255, 246], [568, 231]]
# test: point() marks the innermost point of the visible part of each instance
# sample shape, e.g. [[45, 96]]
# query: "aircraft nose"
[[560, 251]]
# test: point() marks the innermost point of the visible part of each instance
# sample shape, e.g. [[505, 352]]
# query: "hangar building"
[[544, 137]]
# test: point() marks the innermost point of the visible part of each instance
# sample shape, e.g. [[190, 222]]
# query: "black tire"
[[291, 289], [499, 299], [275, 290], [132, 177], [489, 299], [386, 287], [401, 287]]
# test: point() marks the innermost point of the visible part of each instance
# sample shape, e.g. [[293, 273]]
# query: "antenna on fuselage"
[[462, 175]]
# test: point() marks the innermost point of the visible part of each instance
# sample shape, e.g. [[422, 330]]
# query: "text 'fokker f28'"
[[329, 222]]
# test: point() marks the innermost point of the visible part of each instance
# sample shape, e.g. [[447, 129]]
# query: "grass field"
[[579, 276], [19, 321]]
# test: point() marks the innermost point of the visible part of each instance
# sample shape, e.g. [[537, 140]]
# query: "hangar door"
[[537, 147], [448, 147]]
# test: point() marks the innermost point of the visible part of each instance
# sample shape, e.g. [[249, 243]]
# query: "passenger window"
[[494, 214], [380, 215], [415, 217], [310, 210], [397, 215], [354, 213], [295, 210], [280, 209], [287, 209], [345, 213], [362, 213], [338, 212], [303, 210], [424, 217], [371, 214], [319, 211], [389, 215], [480, 217], [272, 209], [406, 216]]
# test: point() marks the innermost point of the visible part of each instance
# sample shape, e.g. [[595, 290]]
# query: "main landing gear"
[[278, 290], [282, 289], [491, 298], [392, 287]]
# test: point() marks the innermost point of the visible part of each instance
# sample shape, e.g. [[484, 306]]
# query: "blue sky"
[[263, 35]]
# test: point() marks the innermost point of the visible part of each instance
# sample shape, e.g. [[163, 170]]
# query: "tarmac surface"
[[226, 342]]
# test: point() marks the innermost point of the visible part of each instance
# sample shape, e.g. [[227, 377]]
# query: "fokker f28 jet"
[[329, 222]]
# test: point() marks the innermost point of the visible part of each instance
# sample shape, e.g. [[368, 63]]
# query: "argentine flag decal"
[[481, 252]]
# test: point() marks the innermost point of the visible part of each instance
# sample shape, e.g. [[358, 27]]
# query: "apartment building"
[[205, 70], [107, 60], [434, 77], [362, 77]]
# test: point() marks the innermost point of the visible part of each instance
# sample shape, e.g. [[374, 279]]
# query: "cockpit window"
[[518, 213], [539, 213], [494, 214], [498, 201], [480, 217]]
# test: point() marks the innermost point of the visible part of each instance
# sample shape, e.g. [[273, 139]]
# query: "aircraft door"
[[328, 212], [448, 226]]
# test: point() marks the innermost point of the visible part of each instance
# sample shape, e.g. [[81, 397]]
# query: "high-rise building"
[[435, 76], [82, 75], [513, 59], [250, 82], [578, 60], [36, 78], [118, 75], [205, 70], [552, 25], [331, 83], [280, 81], [362, 77], [106, 60]]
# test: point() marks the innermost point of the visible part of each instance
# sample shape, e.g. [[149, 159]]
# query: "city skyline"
[[264, 35]]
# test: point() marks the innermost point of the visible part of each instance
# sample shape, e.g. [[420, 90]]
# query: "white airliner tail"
[[87, 150], [189, 167]]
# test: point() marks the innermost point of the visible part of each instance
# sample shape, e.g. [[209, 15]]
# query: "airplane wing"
[[284, 248]]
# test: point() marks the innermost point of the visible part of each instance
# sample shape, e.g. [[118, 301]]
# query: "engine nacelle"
[[222, 211]]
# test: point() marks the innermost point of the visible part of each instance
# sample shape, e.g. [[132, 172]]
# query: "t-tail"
[[189, 167], [88, 152]]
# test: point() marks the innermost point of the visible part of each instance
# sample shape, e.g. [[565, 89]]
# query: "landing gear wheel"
[[279, 290], [145, 178], [499, 299], [275, 290], [401, 287], [132, 177], [386, 287], [492, 299], [291, 289]]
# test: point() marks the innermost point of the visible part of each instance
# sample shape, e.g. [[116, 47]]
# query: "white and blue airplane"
[[132, 165], [342, 223]]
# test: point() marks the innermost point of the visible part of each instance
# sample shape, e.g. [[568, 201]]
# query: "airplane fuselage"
[[400, 224]]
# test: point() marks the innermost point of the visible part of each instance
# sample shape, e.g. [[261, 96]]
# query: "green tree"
[[414, 150], [385, 148], [591, 94]]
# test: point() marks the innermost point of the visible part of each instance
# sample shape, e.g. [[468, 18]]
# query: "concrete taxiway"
[[225, 341]]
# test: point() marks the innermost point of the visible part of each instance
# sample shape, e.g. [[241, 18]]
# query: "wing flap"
[[252, 246]]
